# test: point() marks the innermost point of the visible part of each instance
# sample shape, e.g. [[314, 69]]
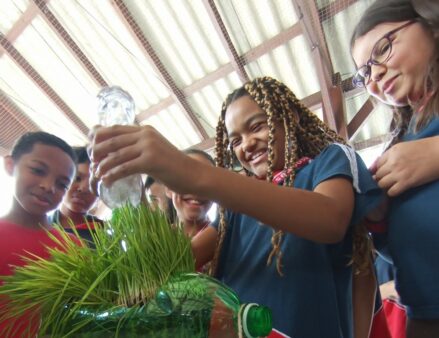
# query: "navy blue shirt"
[[314, 297], [84, 231], [413, 239]]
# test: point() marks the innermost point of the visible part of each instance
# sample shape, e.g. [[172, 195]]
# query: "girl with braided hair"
[[287, 245], [395, 47]]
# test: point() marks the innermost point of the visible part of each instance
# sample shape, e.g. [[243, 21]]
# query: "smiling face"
[[157, 197], [79, 199], [41, 177], [248, 130], [190, 208], [400, 80]]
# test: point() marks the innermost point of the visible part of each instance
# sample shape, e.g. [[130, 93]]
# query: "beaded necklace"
[[280, 175]]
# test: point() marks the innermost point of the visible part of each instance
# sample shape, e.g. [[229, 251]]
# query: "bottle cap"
[[115, 106], [256, 320]]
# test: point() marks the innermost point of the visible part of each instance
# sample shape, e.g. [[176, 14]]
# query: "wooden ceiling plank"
[[371, 142], [252, 55], [359, 118], [155, 109], [21, 24], [272, 43], [333, 111]]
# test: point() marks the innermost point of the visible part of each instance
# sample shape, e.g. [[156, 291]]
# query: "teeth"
[[256, 155], [194, 202]]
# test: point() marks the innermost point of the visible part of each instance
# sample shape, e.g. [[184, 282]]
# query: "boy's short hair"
[[202, 153], [81, 155], [149, 182], [26, 142]]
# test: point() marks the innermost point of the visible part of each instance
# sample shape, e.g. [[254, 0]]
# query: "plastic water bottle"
[[116, 106], [191, 305], [213, 307]]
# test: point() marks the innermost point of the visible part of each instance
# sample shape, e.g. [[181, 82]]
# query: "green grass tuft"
[[136, 253]]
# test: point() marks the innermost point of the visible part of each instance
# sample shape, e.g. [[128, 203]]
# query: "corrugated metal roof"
[[177, 58]]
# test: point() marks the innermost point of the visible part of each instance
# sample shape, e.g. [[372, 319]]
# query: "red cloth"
[[389, 321], [277, 334], [380, 327], [376, 227], [17, 241], [396, 317]]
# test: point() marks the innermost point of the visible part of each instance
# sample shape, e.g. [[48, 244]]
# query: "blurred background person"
[[79, 200]]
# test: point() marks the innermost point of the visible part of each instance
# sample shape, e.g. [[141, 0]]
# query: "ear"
[[168, 192], [9, 165]]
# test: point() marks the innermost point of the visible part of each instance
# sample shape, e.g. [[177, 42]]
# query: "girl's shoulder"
[[341, 160], [336, 159], [431, 129]]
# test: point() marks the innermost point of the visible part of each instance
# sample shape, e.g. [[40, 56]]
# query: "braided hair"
[[305, 135]]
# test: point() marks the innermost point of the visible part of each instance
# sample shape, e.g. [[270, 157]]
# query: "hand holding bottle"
[[116, 107]]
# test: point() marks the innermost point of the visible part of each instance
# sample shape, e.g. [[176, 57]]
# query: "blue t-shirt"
[[314, 297], [413, 239]]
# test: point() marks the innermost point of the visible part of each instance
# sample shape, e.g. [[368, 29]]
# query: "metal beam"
[[176, 93], [42, 84], [220, 27], [338, 103], [69, 42]]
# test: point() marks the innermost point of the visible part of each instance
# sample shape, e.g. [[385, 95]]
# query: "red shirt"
[[17, 241]]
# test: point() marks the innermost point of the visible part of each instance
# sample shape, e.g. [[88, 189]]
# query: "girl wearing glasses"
[[395, 47]]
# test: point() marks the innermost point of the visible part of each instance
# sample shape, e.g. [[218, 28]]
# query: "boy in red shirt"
[[43, 168]]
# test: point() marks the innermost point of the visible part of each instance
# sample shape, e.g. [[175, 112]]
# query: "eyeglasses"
[[380, 53]]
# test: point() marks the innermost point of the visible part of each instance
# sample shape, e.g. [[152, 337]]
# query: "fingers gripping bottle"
[[116, 106]]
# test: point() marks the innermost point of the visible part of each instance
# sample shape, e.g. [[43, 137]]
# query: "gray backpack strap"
[[350, 154]]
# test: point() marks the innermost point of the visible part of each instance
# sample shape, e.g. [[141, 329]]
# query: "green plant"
[[136, 253]]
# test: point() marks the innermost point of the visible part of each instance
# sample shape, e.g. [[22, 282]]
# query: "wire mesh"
[[241, 39]]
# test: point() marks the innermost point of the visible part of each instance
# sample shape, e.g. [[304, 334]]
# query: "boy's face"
[[42, 177], [157, 196], [79, 199], [247, 128]]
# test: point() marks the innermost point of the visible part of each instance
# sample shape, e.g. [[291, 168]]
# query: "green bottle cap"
[[256, 320]]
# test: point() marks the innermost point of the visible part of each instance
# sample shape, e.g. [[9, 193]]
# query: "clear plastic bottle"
[[116, 106]]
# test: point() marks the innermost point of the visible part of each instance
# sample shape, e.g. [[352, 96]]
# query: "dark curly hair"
[[26, 142]]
